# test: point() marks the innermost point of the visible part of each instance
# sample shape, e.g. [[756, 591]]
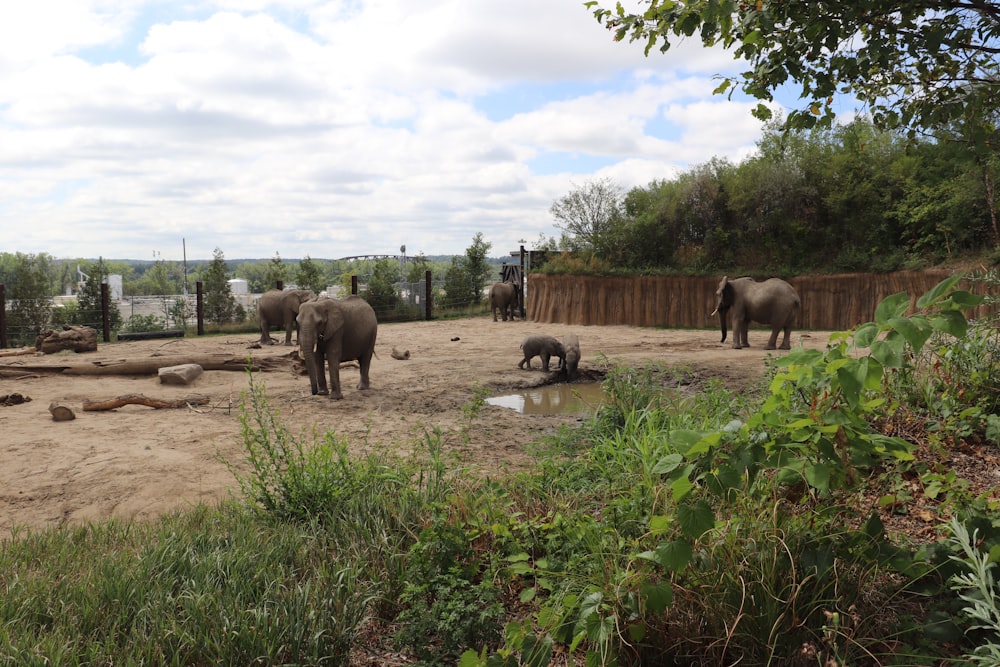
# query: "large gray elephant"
[[772, 302], [504, 297], [332, 331], [280, 307]]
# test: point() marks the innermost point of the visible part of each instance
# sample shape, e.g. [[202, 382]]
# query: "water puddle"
[[553, 399]]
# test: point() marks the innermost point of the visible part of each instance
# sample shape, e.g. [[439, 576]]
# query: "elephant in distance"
[[772, 302], [332, 331], [503, 296], [280, 307]]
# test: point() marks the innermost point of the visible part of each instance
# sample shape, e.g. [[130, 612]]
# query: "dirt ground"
[[138, 462]]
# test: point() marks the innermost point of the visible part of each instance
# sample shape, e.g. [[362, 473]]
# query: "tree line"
[[839, 199]]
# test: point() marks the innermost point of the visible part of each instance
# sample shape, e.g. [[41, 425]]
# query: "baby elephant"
[[544, 347], [571, 347]]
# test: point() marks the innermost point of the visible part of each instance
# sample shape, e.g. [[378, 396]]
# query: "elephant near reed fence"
[[503, 296], [773, 302], [280, 307], [544, 347], [332, 331]]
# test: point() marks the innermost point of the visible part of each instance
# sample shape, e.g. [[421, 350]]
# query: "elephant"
[[571, 347], [280, 307], [773, 302], [544, 347], [332, 331], [504, 297]]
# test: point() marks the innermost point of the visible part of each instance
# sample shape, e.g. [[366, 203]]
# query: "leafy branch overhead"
[[915, 65]]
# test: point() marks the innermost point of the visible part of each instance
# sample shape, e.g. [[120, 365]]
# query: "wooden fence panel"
[[829, 302]]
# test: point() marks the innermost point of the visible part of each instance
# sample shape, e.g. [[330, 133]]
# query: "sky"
[[159, 129]]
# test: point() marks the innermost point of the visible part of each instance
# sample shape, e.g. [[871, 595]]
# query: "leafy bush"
[[450, 602], [139, 323]]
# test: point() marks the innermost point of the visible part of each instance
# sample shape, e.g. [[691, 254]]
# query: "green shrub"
[[450, 602]]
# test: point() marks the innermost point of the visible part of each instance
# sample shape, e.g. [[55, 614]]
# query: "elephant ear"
[[332, 319], [727, 297], [724, 294]]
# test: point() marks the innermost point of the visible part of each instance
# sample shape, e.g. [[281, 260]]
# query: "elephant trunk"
[[307, 343], [723, 312]]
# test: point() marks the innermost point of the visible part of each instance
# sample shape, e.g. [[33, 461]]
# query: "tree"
[[476, 266], [915, 65], [276, 272], [381, 289], [589, 215], [416, 269], [220, 306], [89, 304], [308, 276], [465, 278], [30, 296], [160, 278]]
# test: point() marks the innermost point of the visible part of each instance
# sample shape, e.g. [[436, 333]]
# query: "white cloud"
[[332, 128]]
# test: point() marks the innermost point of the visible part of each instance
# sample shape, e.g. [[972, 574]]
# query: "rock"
[[180, 375]]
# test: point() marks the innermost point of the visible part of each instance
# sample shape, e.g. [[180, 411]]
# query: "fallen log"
[[140, 399], [61, 412], [147, 335], [18, 352], [72, 337], [152, 365]]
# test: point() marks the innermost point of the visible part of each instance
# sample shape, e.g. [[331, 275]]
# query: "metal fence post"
[[200, 308], [106, 311], [3, 316], [354, 285], [427, 295]]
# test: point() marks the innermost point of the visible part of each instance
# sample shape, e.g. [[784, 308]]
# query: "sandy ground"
[[137, 462]]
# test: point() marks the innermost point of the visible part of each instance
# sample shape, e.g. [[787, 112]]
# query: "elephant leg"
[[545, 361], [737, 334], [786, 343], [333, 358], [494, 309], [288, 332], [365, 362], [773, 340], [321, 360]]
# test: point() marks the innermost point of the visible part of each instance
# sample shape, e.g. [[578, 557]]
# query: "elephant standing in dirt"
[[544, 347], [332, 331], [280, 307], [504, 297], [571, 349], [772, 302]]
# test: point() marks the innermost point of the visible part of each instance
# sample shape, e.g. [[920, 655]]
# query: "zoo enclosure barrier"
[[829, 302]]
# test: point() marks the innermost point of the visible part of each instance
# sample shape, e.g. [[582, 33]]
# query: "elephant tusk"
[[714, 313]]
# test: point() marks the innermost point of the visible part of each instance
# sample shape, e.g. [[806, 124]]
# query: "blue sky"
[[330, 129]]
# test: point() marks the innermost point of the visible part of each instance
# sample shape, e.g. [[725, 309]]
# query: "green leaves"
[[914, 69]]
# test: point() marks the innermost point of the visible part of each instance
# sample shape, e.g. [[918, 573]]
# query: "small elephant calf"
[[571, 347], [543, 347]]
